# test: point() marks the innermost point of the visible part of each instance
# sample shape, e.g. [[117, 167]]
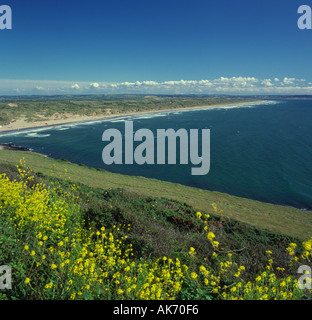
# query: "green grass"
[[155, 225], [282, 220]]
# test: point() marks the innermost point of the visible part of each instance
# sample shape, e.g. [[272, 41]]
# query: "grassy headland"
[[72, 232], [279, 219]]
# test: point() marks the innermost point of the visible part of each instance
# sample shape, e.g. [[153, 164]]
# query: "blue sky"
[[99, 46]]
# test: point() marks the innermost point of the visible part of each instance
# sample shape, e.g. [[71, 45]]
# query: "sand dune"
[[22, 123]]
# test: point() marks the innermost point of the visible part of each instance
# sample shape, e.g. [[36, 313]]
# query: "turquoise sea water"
[[259, 151]]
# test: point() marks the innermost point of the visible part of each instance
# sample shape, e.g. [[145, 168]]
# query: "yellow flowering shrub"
[[54, 256], [61, 259], [228, 284]]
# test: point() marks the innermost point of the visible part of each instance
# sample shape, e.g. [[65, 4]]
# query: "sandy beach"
[[22, 124]]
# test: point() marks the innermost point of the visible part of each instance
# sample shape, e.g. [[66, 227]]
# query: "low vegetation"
[[64, 106], [68, 240], [276, 219]]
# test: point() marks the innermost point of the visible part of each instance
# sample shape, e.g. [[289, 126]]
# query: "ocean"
[[259, 151]]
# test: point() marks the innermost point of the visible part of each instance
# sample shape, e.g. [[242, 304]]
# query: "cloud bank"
[[223, 85]]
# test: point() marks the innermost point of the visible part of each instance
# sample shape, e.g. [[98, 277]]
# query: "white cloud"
[[205, 83], [94, 85], [150, 83], [40, 88], [75, 86], [226, 85], [267, 83], [288, 80], [235, 81], [128, 84]]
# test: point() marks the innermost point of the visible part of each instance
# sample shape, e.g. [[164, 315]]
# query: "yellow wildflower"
[[210, 235]]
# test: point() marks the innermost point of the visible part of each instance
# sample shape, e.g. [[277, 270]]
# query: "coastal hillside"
[[109, 236], [274, 218]]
